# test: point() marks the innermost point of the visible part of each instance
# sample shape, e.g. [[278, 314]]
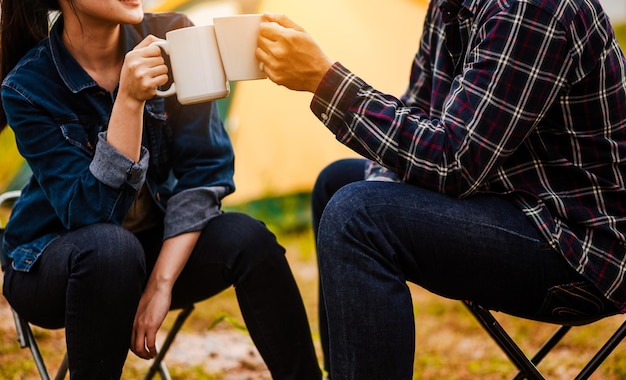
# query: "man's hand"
[[289, 55]]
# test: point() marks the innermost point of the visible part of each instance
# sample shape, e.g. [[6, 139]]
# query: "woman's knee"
[[240, 237], [112, 249]]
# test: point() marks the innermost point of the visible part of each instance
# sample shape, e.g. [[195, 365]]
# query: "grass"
[[450, 344]]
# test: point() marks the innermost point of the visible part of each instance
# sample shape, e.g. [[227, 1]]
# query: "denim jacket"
[[60, 117]]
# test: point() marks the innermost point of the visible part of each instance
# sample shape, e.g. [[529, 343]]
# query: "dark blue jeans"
[[90, 281], [373, 237]]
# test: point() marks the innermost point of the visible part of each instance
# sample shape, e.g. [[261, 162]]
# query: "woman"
[[121, 219]]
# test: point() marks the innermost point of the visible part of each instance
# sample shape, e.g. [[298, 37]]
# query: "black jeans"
[[90, 281]]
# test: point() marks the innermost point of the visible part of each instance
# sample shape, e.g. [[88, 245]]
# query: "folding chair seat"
[[26, 338], [528, 366]]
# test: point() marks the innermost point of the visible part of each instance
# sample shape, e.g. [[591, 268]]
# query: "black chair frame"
[[26, 338], [528, 366]]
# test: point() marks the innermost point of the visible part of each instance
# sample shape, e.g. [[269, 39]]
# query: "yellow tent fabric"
[[280, 146]]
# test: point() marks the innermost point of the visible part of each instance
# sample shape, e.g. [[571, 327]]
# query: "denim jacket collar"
[[187, 161], [73, 75]]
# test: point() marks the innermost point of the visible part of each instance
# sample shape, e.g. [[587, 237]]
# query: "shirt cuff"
[[334, 96], [114, 169], [191, 210]]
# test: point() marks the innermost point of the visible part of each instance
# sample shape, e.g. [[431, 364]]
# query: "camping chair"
[[528, 366], [26, 338]]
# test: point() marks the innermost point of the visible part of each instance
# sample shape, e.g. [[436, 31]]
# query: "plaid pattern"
[[521, 98]]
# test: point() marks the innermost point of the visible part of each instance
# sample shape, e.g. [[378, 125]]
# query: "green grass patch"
[[449, 342], [287, 214]]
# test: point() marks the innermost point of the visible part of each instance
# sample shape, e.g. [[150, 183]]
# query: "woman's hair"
[[23, 23]]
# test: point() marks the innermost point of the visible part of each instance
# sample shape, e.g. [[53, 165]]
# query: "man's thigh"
[[481, 248]]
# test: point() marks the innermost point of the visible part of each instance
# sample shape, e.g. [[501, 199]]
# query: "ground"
[[214, 344]]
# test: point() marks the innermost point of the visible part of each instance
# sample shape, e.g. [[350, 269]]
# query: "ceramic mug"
[[196, 65], [237, 40]]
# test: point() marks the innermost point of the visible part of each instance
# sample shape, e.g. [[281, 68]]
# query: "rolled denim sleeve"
[[191, 210], [114, 169]]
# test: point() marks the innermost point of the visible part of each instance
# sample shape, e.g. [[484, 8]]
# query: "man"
[[498, 176]]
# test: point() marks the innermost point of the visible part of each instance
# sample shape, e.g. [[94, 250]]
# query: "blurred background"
[[279, 145], [280, 148]]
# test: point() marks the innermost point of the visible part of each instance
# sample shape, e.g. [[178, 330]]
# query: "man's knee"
[[345, 203]]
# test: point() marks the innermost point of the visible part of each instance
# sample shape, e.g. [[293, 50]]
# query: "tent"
[[280, 146], [616, 9]]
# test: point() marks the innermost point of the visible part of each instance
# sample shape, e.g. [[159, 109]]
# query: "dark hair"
[[23, 23]]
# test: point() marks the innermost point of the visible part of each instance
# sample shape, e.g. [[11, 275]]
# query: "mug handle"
[[172, 90]]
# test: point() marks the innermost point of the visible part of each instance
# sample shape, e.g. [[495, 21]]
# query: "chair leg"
[[27, 339], [602, 354], [158, 365], [63, 369], [548, 345], [528, 367], [164, 372], [515, 354], [21, 336]]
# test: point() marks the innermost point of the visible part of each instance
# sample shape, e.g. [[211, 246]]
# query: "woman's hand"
[[143, 71], [156, 300], [289, 55], [152, 309]]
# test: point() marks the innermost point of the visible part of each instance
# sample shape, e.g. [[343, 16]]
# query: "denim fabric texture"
[[90, 280], [522, 99], [75, 266], [375, 236], [60, 116]]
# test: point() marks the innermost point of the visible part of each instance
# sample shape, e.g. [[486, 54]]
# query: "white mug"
[[237, 39], [196, 65]]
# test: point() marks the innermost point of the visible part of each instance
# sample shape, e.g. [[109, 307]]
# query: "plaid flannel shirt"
[[521, 98]]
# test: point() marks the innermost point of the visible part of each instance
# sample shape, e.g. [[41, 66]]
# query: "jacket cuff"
[[191, 210], [114, 169]]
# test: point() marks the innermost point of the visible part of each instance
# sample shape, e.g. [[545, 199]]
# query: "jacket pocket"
[[82, 133]]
